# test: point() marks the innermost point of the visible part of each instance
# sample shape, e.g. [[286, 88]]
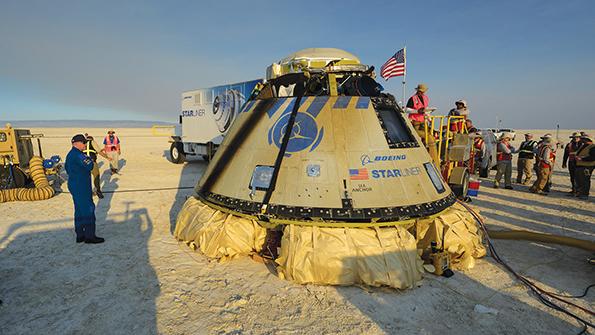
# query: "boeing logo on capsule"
[[365, 159]]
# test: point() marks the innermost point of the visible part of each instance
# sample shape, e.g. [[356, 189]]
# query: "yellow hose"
[[42, 190], [545, 238]]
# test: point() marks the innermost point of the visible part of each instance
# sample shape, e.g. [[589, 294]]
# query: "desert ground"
[[143, 281]]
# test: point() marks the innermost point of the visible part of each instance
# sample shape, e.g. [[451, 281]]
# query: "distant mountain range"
[[83, 123]]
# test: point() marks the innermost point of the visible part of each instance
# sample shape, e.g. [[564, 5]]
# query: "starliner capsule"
[[323, 173]]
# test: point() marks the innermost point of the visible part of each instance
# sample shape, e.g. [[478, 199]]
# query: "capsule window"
[[435, 177], [395, 130]]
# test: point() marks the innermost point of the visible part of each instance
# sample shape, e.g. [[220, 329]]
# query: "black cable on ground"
[[146, 189], [574, 296], [151, 189], [543, 296]]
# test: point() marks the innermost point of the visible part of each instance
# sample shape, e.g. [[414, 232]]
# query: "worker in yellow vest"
[[91, 151], [585, 162]]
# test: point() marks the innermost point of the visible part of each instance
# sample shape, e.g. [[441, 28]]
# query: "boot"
[[90, 236], [80, 233], [547, 187], [95, 240], [97, 184]]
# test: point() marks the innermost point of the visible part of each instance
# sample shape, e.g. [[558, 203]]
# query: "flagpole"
[[404, 103]]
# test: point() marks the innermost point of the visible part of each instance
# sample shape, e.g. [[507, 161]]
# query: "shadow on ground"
[[519, 199], [192, 171], [446, 305], [110, 288]]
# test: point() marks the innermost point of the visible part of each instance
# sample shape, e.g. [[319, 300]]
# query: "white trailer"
[[205, 117]]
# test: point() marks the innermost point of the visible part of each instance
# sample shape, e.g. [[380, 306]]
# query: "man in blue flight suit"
[[79, 166]]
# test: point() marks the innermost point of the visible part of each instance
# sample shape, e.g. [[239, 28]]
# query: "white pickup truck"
[[498, 132]]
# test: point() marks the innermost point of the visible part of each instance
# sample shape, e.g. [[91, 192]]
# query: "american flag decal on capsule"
[[358, 174]]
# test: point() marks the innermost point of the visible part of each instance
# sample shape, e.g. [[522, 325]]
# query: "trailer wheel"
[[176, 153], [460, 190]]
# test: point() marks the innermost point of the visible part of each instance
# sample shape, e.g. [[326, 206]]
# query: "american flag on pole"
[[394, 66]]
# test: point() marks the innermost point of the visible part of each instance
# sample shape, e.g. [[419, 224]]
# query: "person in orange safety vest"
[[456, 125], [417, 107], [112, 148], [417, 104], [545, 159], [480, 151], [504, 167]]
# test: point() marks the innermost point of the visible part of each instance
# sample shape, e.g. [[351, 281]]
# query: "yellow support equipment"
[[42, 190], [165, 131]]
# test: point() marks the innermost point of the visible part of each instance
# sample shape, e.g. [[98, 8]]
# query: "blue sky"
[[529, 63]]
